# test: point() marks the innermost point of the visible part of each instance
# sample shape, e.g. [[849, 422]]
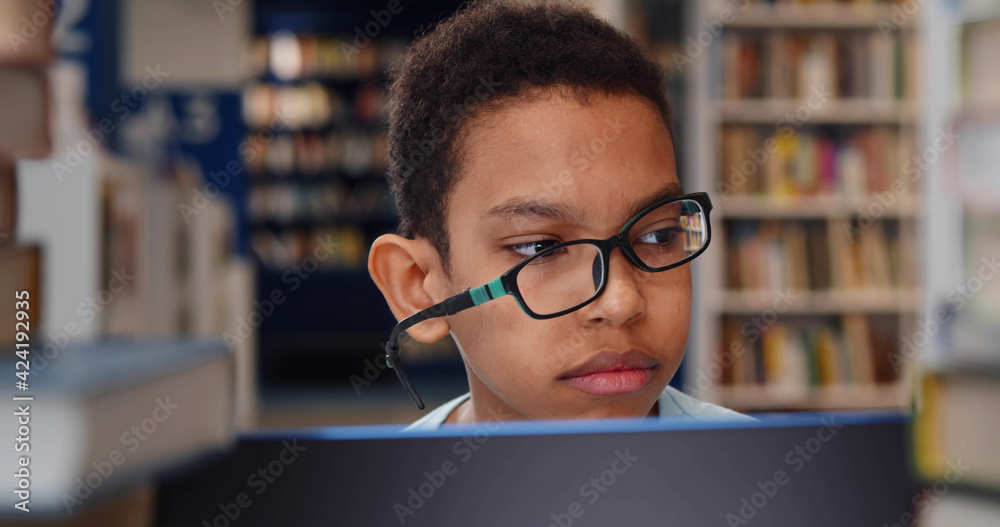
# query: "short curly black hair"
[[486, 55]]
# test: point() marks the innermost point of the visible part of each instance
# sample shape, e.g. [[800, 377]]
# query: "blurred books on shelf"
[[111, 415], [146, 234], [337, 247], [808, 142], [956, 422], [816, 255], [171, 271], [8, 202], [956, 507], [289, 56], [24, 129], [21, 270], [314, 103], [28, 41], [782, 64], [955, 432], [817, 14], [980, 41], [24, 82], [970, 176], [820, 362], [316, 154], [785, 162]]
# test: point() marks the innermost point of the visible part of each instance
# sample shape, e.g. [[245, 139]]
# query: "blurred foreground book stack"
[[106, 419]]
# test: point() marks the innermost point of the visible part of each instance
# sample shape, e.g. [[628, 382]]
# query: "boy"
[[514, 127]]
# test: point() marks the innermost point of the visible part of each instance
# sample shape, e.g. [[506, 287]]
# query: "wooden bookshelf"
[[756, 398], [821, 302], [318, 172], [816, 210], [317, 195], [762, 15], [785, 207], [24, 80], [851, 111]]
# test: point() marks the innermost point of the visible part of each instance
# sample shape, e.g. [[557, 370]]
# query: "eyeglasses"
[[565, 277]]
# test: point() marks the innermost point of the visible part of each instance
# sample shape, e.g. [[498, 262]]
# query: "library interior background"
[[181, 176]]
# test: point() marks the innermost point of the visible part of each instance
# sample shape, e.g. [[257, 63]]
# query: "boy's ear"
[[406, 271]]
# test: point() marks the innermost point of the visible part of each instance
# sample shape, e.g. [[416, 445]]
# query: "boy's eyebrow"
[[528, 207], [671, 190]]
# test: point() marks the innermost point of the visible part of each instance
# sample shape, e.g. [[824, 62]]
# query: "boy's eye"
[[663, 236], [532, 248]]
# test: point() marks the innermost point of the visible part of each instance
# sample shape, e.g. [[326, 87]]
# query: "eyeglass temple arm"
[[449, 306]]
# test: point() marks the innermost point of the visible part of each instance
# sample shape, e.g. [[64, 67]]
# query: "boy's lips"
[[612, 373]]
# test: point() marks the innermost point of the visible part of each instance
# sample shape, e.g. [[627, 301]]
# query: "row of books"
[[8, 202], [311, 105], [818, 255], [290, 56], [350, 152], [796, 354], [282, 202], [980, 76], [851, 161], [21, 269], [821, 2], [798, 64], [341, 247]]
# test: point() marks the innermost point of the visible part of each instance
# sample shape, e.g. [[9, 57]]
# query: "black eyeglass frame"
[[507, 282]]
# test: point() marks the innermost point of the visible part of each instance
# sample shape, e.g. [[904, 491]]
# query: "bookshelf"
[[317, 152], [859, 112], [804, 124], [317, 197], [24, 133], [812, 15], [968, 183], [958, 384]]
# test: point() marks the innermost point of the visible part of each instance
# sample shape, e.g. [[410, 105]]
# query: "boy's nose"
[[622, 300]]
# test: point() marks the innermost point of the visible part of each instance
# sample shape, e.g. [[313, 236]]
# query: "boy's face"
[[597, 162]]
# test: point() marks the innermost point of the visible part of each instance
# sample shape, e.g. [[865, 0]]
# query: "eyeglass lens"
[[568, 276]]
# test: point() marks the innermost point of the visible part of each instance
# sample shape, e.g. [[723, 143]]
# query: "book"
[[815, 255], [958, 507], [24, 129], [799, 353], [108, 415], [20, 270], [852, 162], [980, 78], [8, 202], [954, 424], [26, 26], [791, 64]]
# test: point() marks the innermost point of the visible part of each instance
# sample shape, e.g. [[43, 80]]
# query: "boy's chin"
[[613, 407]]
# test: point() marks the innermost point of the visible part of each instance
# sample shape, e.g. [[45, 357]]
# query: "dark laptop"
[[801, 469]]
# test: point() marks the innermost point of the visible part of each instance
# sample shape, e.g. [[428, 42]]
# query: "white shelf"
[[865, 301], [816, 16], [792, 207], [834, 111], [843, 397]]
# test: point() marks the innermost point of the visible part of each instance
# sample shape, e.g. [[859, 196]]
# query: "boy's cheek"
[[509, 352]]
